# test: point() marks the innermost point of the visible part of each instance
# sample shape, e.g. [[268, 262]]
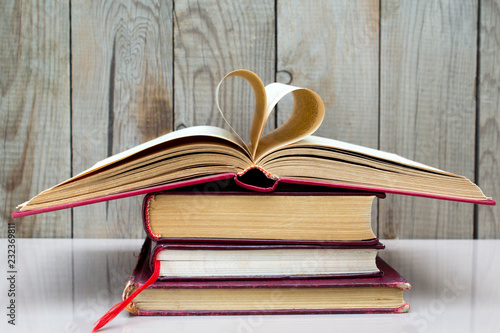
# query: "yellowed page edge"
[[316, 140], [207, 131]]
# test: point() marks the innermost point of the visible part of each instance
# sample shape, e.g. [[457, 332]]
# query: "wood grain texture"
[[213, 38], [427, 107], [122, 95], [34, 110], [489, 117], [333, 49], [124, 55]]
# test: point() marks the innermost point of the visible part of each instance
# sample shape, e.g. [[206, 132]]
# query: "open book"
[[288, 154]]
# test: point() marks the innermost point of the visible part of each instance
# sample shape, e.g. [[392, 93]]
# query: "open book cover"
[[289, 154], [379, 294]]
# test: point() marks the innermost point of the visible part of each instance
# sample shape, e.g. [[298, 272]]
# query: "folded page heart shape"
[[307, 114]]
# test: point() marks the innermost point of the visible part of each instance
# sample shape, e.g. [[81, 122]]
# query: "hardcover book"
[[293, 215], [288, 154], [276, 296], [244, 262]]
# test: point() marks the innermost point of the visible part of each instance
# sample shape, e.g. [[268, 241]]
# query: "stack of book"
[[283, 252], [288, 231]]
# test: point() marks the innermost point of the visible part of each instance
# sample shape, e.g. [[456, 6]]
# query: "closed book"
[[381, 294], [290, 215], [239, 262]]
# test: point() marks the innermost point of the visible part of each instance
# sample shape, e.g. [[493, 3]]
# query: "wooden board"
[[489, 123], [122, 95], [333, 48], [34, 110], [213, 38], [427, 108], [58, 119]]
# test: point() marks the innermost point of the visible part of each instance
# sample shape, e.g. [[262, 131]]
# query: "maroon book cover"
[[142, 272], [158, 247]]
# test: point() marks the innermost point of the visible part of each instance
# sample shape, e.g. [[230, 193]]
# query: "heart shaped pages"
[[307, 114]]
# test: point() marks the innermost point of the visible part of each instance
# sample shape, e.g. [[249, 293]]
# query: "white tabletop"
[[65, 285]]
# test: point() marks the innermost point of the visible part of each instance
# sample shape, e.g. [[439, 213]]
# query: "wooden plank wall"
[[81, 80], [428, 69], [121, 95], [35, 110]]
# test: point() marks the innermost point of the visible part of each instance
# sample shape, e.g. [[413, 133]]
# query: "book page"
[[307, 115], [201, 131], [320, 141], [259, 116]]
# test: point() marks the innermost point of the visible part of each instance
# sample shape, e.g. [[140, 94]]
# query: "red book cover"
[[390, 281], [236, 177]]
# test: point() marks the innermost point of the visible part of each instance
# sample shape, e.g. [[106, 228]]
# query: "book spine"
[[261, 169], [146, 217]]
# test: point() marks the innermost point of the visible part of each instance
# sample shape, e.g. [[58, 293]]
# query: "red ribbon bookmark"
[[117, 308]]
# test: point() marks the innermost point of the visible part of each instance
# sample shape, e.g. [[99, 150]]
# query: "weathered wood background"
[[81, 80]]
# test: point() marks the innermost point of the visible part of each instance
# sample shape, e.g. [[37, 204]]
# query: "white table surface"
[[65, 285]]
